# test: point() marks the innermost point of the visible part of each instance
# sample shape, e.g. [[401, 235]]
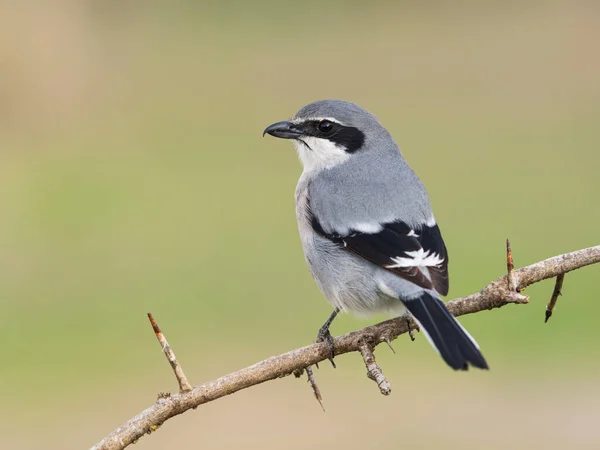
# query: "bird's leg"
[[325, 336], [410, 331]]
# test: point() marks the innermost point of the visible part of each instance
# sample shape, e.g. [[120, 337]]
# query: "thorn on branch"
[[510, 266], [373, 370], [388, 341], [557, 291], [313, 385], [184, 385]]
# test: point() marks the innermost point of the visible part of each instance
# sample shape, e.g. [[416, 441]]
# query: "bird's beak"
[[283, 130]]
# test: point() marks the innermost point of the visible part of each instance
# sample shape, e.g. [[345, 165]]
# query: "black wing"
[[407, 252]]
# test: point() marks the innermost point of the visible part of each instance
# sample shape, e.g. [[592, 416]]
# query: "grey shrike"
[[368, 233]]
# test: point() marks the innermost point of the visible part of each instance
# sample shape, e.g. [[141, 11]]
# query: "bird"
[[367, 229]]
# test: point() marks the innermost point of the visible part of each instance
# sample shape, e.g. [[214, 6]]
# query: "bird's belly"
[[348, 281]]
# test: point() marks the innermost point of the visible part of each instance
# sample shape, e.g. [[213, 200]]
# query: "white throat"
[[322, 153]]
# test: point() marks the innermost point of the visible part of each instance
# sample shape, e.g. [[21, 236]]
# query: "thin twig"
[[184, 385], [557, 291], [494, 295], [313, 385], [509, 267], [373, 370]]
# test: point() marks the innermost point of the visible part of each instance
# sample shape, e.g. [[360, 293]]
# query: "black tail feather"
[[454, 345]]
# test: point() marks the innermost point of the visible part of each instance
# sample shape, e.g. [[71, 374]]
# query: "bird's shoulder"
[[367, 190]]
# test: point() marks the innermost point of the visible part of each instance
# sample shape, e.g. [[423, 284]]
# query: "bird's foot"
[[325, 336]]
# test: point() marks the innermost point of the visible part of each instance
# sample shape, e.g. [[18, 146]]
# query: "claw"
[[410, 331]]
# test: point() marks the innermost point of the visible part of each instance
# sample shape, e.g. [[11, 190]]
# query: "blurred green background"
[[133, 178]]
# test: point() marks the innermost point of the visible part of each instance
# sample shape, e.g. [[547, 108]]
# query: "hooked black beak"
[[283, 130]]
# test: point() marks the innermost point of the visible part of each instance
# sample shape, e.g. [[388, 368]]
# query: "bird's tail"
[[445, 334]]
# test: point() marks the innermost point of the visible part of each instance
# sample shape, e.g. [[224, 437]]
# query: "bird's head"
[[328, 132]]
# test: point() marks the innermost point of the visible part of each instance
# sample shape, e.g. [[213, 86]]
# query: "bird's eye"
[[325, 126]]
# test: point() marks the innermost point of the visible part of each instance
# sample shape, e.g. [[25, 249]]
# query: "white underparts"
[[317, 154]]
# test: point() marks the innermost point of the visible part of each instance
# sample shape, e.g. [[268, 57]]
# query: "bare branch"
[[373, 370], [555, 294], [184, 384], [494, 295]]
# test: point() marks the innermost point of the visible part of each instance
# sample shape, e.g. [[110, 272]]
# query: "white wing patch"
[[366, 227], [417, 258]]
